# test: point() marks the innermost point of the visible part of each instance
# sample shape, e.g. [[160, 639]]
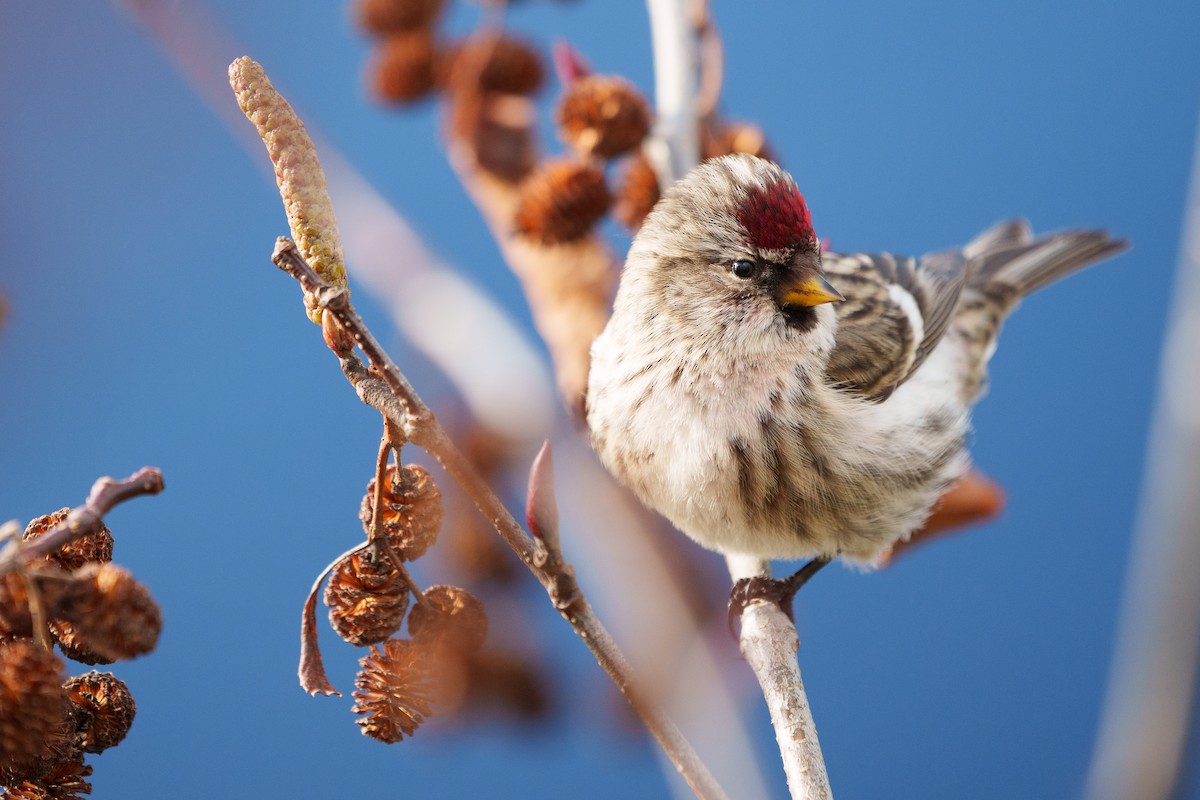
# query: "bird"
[[774, 401]]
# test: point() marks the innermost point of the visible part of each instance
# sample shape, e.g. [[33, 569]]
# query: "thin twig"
[[404, 408], [85, 520], [769, 643], [377, 536]]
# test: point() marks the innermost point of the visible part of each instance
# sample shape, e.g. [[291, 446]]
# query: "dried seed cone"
[[393, 690], [451, 616], [93, 548], [735, 137], [506, 65], [65, 781], [561, 202], [637, 193], [16, 612], [103, 709], [367, 598], [72, 646], [603, 115], [386, 16], [33, 705], [15, 619], [112, 614], [412, 510], [403, 67]]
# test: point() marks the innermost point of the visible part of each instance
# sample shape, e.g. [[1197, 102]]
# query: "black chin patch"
[[799, 318]]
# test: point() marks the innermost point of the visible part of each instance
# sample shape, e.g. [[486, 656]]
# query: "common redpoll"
[[774, 401]]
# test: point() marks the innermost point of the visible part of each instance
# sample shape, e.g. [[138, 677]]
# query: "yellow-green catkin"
[[297, 171]]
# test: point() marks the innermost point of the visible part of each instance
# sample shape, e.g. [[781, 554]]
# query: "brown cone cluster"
[[367, 598], [98, 613], [399, 680]]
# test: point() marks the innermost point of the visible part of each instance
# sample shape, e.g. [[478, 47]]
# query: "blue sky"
[[147, 326]]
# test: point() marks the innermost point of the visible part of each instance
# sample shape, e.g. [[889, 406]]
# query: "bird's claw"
[[748, 590], [777, 591]]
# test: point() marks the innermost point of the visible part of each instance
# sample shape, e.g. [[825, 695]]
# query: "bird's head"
[[730, 249]]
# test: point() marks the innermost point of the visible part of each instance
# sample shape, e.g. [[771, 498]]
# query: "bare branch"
[[85, 520], [406, 411]]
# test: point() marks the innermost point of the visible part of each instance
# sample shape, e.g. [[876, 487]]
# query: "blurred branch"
[[567, 286], [85, 520], [385, 388], [1144, 727], [492, 363], [674, 28]]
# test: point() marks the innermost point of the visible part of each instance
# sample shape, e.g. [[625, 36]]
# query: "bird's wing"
[[895, 312]]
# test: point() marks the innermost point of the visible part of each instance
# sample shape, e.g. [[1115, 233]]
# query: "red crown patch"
[[776, 217]]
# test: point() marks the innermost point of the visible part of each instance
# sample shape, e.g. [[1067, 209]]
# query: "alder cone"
[[16, 618], [506, 65], [561, 202], [386, 16], [735, 137], [103, 709], [403, 67], [637, 192], [412, 510], [367, 598], [72, 646], [110, 613], [393, 690], [33, 706], [94, 548], [65, 780], [603, 115], [451, 616]]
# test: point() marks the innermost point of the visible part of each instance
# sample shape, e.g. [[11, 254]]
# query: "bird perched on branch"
[[774, 401]]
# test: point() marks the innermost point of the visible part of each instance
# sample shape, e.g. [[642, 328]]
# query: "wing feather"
[[896, 310]]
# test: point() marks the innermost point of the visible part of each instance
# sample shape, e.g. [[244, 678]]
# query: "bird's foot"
[[778, 591]]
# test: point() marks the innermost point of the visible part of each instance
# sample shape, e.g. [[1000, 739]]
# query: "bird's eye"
[[742, 268]]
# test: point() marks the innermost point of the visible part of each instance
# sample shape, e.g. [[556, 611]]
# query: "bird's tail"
[[1007, 261], [1004, 264]]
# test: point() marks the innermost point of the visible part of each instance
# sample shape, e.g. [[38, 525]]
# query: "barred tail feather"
[[1008, 263]]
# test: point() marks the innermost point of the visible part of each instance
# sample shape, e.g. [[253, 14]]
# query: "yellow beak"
[[813, 290]]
